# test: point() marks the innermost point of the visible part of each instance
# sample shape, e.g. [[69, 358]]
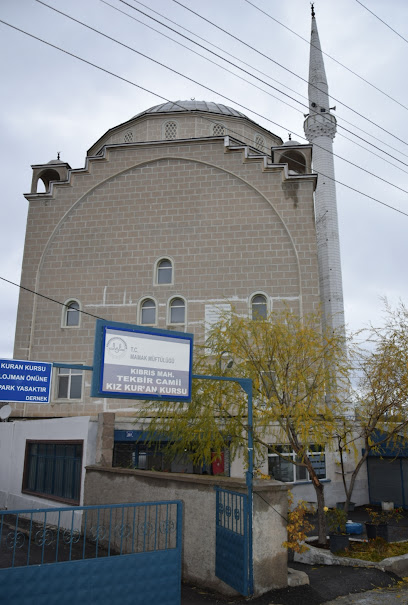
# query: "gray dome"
[[55, 162], [292, 143], [183, 106]]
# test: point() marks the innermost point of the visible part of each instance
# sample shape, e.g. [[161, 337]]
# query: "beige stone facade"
[[232, 222]]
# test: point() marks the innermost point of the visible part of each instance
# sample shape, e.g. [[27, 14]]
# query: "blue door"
[[232, 552]]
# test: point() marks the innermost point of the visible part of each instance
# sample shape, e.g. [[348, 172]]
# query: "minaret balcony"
[[320, 125]]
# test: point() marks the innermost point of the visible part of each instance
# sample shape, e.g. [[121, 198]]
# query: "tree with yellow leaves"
[[380, 414], [295, 368]]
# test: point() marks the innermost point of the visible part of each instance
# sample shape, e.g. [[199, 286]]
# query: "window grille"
[[260, 142], [53, 470], [128, 138], [218, 130], [170, 131]]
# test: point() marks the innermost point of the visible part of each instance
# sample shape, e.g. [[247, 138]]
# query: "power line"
[[179, 43], [330, 56], [47, 297], [283, 67], [253, 68], [132, 49], [165, 99], [382, 21]]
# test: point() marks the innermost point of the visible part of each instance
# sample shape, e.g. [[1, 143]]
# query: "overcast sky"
[[52, 102]]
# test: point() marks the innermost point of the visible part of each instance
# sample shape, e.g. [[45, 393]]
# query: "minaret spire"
[[320, 130]]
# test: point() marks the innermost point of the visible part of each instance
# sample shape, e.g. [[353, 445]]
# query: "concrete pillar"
[[105, 439]]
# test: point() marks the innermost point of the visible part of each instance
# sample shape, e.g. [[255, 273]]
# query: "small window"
[[177, 311], [259, 307], [164, 272], [170, 131], [71, 314], [218, 130], [128, 138], [148, 312], [69, 383], [260, 142], [53, 470], [283, 467]]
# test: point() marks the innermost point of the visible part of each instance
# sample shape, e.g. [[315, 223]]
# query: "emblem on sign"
[[116, 347]]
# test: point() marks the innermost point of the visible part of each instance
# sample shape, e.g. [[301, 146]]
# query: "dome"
[[291, 143], [182, 106], [56, 162]]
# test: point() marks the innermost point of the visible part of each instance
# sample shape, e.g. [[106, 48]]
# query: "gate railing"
[[232, 555], [232, 511], [51, 535]]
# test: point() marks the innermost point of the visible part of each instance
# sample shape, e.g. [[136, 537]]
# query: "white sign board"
[[142, 363]]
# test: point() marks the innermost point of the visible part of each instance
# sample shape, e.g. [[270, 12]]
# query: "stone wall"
[[114, 485]]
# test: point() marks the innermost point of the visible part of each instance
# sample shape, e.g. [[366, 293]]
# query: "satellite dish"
[[5, 412]]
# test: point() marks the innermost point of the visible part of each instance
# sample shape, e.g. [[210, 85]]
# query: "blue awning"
[[397, 447]]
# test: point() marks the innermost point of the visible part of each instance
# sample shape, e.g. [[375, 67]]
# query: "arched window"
[[164, 272], [170, 131], [71, 314], [46, 177], [148, 312], [259, 307], [177, 311], [296, 161], [218, 130]]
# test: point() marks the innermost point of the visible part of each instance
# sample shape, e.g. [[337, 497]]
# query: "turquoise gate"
[[124, 553], [232, 554]]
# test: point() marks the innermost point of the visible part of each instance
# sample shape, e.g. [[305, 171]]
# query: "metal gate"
[[124, 553], [232, 561]]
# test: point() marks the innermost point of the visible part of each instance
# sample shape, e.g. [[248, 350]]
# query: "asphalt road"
[[327, 583]]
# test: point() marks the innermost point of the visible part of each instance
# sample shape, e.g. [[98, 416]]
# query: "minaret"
[[320, 130]]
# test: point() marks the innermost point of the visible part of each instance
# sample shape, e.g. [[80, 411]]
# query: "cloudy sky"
[[52, 102]]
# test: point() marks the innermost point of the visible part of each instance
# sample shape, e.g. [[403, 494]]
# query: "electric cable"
[[330, 56], [253, 68], [165, 99], [283, 67], [382, 21], [48, 298], [180, 44], [132, 49]]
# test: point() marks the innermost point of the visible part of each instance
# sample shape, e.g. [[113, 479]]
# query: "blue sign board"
[[25, 381], [135, 362]]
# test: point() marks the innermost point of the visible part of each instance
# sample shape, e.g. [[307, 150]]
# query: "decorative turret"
[[54, 170], [320, 129]]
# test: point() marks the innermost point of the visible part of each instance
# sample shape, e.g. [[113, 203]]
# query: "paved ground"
[[387, 596], [328, 585]]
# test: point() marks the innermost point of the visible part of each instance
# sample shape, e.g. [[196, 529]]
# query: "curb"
[[318, 556]]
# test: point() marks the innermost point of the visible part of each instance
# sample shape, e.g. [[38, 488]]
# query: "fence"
[[96, 544]]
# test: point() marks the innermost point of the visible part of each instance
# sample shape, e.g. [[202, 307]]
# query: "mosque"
[[181, 211]]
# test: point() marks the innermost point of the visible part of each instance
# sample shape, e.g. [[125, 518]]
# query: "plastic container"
[[354, 528]]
